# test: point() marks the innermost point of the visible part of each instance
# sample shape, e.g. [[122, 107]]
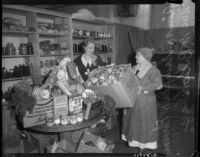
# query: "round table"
[[70, 132]]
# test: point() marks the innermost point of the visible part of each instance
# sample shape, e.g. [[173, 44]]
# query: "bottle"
[[29, 48], [74, 48], [42, 67]]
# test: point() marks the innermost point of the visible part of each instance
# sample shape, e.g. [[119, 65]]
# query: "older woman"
[[88, 61], [140, 125]]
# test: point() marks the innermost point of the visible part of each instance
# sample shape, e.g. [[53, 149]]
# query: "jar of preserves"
[[23, 49]]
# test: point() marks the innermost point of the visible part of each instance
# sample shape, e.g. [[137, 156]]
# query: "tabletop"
[[93, 118]]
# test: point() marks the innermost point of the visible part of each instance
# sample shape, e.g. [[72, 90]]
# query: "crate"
[[38, 116], [84, 148], [123, 92], [41, 141]]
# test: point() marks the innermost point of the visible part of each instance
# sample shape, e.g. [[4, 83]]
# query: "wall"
[[142, 20], [109, 11], [161, 15]]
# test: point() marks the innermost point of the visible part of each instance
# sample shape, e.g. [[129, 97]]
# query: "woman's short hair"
[[87, 41]]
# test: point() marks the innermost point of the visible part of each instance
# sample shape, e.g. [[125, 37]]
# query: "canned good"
[[64, 119], [56, 120], [50, 119], [73, 119], [80, 117]]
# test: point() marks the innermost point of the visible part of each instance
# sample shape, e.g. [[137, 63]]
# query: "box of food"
[[91, 143], [38, 116], [41, 140], [122, 90], [60, 105], [75, 104]]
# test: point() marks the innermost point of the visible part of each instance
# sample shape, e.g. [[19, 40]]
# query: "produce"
[[107, 75], [64, 76]]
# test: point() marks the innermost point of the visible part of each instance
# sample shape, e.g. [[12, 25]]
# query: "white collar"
[[84, 61]]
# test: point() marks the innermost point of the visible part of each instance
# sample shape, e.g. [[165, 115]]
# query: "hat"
[[146, 52]]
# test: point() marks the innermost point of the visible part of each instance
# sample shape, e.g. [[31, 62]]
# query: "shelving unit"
[[52, 36], [102, 32], [56, 29]]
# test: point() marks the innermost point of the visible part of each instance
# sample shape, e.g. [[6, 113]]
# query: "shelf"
[[17, 56], [16, 32], [95, 38], [94, 21], [52, 55], [95, 53], [51, 35], [20, 78]]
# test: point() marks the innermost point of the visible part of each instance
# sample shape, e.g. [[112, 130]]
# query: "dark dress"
[[83, 70], [140, 126]]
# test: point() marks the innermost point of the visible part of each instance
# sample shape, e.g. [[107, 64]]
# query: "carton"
[[38, 116], [123, 92], [83, 147], [41, 140], [60, 105]]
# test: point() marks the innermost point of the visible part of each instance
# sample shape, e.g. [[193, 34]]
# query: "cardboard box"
[[41, 141], [38, 116], [60, 105], [75, 104], [123, 92], [84, 148]]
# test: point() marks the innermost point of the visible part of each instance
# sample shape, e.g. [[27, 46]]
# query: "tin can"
[[50, 119]]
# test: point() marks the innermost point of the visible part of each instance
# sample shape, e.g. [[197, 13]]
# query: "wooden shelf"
[[105, 53], [29, 17], [17, 56], [94, 21], [52, 55], [17, 32], [95, 38], [19, 78], [51, 35], [98, 26]]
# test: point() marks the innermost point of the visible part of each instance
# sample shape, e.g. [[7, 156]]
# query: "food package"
[[117, 81]]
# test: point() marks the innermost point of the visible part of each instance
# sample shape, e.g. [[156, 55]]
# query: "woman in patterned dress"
[[140, 125]]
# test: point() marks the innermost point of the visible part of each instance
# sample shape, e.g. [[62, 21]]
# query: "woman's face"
[[139, 58], [89, 49]]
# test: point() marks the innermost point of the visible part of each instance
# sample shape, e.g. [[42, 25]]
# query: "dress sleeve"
[[156, 81]]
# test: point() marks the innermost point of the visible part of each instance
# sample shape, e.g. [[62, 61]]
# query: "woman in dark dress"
[[88, 61], [140, 125]]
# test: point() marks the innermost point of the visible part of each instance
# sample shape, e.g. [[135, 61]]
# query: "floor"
[[176, 133]]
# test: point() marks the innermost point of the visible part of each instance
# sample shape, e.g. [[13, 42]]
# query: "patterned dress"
[[140, 126]]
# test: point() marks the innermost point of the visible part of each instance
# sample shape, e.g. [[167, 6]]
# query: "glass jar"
[[10, 48], [4, 51], [73, 119], [80, 117], [64, 120], [23, 49]]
